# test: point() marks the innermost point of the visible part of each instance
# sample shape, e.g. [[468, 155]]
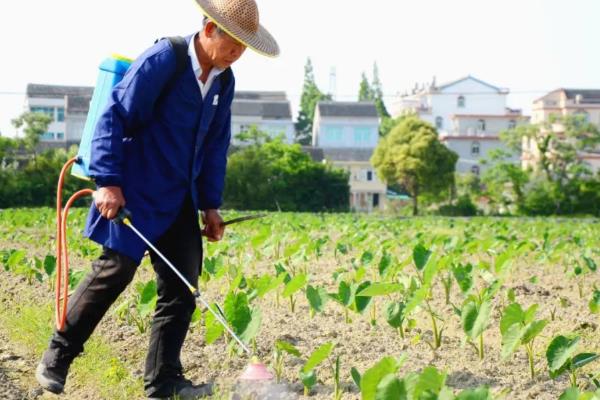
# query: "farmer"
[[160, 149]]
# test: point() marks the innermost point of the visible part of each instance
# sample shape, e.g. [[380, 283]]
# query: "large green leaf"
[[237, 311], [582, 359], [317, 297], [394, 314], [475, 319], [475, 394], [384, 263], [431, 381], [391, 388], [380, 289], [297, 283], [371, 378], [318, 356], [559, 351], [213, 328], [361, 302], [420, 256], [416, 299], [287, 347], [309, 378], [49, 264], [463, 275], [571, 393], [513, 314], [511, 339], [253, 326], [533, 329]]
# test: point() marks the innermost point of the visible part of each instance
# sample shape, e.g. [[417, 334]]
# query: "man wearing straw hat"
[[160, 145]]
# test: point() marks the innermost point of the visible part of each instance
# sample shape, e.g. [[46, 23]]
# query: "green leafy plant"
[[518, 328], [281, 348], [559, 355], [475, 316], [308, 374]]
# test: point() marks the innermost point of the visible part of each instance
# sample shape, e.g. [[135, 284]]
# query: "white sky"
[[528, 46]]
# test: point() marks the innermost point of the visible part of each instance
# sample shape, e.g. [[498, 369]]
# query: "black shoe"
[[51, 379], [185, 390]]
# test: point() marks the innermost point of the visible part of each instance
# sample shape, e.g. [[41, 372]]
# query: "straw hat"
[[239, 18]]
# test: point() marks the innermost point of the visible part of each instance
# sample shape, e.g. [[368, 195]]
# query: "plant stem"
[[346, 315], [292, 304], [481, 346], [573, 378], [306, 391], [437, 337], [529, 349], [401, 330]]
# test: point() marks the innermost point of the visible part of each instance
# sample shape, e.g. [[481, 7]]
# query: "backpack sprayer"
[[111, 72]]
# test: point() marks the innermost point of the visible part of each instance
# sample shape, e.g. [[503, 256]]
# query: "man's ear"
[[210, 28]]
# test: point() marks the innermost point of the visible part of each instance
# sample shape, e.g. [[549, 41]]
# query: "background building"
[[270, 112], [67, 105], [345, 135], [468, 113], [563, 102]]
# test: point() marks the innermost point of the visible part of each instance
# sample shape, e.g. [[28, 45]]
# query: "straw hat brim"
[[260, 41]]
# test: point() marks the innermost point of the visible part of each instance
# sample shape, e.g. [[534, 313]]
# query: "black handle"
[[122, 215]]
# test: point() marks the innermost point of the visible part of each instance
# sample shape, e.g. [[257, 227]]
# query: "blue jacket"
[[159, 141]]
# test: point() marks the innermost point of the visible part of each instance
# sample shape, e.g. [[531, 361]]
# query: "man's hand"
[[213, 225], [109, 200]]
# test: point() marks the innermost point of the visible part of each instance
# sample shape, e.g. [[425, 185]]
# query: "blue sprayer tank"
[[111, 72]]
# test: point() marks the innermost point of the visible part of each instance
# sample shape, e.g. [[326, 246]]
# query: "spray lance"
[[256, 371]]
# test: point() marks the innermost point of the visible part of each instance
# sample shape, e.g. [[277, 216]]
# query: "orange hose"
[[62, 255]]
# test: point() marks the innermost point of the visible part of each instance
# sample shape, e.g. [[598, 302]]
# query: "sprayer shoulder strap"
[[180, 46]]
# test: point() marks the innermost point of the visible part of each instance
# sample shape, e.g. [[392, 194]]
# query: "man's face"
[[222, 49]]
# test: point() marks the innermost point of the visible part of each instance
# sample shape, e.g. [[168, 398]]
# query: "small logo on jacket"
[[216, 100]]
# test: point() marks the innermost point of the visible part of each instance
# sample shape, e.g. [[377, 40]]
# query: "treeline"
[[264, 175]]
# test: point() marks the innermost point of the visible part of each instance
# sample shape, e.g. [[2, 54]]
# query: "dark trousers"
[[111, 273]]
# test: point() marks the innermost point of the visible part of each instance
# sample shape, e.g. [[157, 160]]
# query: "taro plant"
[[378, 289], [475, 316], [574, 393], [137, 310], [295, 284], [281, 348], [561, 359], [347, 296], [518, 328], [308, 374], [317, 298]]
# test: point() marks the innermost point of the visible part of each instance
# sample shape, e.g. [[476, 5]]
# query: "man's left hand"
[[213, 225]]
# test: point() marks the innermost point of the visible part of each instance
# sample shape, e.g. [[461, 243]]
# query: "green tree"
[[377, 90], [34, 125], [412, 156], [504, 181], [311, 95], [364, 89], [556, 144], [279, 176]]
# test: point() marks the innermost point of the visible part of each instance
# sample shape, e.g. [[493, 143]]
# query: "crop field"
[[339, 306]]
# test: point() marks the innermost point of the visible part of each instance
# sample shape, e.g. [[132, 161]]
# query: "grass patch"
[[98, 367]]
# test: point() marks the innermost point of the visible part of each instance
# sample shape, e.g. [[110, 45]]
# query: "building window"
[[46, 135], [460, 102], [60, 114], [475, 148], [362, 136], [375, 200], [481, 125], [43, 110], [512, 124], [60, 135], [439, 122], [333, 135], [369, 175], [475, 170]]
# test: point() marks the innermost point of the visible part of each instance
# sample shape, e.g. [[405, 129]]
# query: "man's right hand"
[[109, 200]]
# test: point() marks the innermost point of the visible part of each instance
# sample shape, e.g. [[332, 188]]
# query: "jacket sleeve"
[[211, 180], [130, 105]]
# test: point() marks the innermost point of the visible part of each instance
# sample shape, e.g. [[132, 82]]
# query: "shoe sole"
[[47, 384]]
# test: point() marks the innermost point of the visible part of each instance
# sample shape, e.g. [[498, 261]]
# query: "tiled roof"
[[258, 95], [365, 109], [259, 108], [57, 91]]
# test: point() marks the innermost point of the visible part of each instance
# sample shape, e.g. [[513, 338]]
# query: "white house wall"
[[467, 158]]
